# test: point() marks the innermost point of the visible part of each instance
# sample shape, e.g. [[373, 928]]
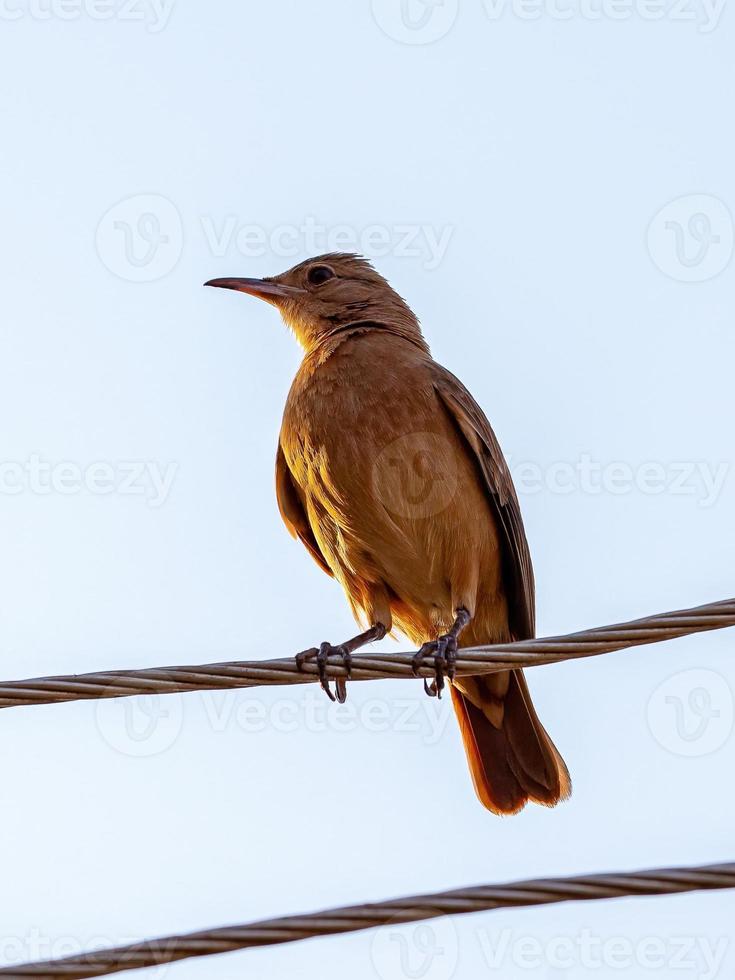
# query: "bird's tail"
[[511, 757]]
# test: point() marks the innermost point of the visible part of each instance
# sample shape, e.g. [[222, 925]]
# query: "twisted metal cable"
[[376, 666], [415, 908]]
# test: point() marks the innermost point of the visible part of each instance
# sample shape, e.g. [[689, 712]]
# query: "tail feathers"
[[511, 757]]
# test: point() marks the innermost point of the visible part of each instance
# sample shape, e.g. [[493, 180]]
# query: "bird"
[[389, 473]]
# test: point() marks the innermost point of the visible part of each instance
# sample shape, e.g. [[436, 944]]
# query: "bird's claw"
[[340, 683], [444, 653], [321, 656]]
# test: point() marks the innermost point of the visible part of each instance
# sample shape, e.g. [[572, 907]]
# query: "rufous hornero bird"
[[389, 473]]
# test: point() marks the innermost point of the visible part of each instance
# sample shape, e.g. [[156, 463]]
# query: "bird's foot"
[[444, 653], [321, 656], [344, 651]]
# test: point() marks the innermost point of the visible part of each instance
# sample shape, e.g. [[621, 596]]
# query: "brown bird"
[[390, 474]]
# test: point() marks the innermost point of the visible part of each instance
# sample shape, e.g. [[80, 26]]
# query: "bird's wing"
[[292, 511], [475, 429]]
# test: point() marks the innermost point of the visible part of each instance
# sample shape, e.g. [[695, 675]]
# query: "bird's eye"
[[319, 274]]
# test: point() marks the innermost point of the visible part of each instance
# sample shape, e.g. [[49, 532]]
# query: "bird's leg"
[[343, 650], [444, 652]]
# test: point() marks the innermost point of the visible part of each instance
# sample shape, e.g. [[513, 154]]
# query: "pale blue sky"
[[510, 179]]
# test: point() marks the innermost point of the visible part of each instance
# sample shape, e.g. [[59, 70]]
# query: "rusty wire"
[[415, 908], [472, 660]]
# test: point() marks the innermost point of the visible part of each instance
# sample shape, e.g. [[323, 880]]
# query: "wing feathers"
[[292, 511], [518, 570]]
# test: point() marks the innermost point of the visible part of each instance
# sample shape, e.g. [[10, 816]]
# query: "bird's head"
[[325, 295]]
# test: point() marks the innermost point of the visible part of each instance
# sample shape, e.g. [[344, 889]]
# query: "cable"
[[472, 660], [415, 908]]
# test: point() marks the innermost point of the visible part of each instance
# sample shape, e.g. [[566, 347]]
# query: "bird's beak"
[[271, 292]]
